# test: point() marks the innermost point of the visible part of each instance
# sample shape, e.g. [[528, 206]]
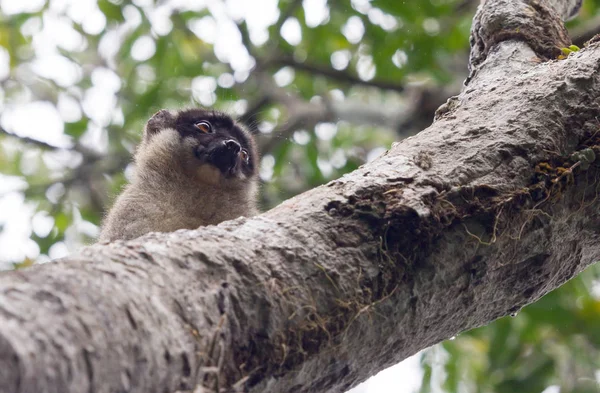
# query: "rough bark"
[[491, 207]]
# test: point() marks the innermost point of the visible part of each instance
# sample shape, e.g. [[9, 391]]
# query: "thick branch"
[[487, 210], [446, 232]]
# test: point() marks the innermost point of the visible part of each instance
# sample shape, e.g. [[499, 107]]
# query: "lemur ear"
[[159, 121]]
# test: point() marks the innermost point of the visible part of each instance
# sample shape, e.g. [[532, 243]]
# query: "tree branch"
[[30, 141], [341, 76], [586, 32], [303, 114], [288, 12], [490, 208]]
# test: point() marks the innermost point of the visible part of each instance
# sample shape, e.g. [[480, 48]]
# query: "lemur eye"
[[204, 126], [244, 156]]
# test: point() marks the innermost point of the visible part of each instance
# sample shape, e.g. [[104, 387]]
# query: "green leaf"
[[111, 11], [76, 129]]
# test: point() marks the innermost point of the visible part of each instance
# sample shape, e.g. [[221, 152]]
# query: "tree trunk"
[[490, 208]]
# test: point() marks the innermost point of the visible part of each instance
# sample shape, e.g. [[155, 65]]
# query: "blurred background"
[[326, 85]]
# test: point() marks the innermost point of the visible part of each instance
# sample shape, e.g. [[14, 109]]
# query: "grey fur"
[[172, 190]]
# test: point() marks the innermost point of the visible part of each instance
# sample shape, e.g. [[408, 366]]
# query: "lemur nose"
[[230, 144]]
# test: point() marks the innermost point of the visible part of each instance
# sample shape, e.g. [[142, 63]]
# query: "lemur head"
[[204, 145]]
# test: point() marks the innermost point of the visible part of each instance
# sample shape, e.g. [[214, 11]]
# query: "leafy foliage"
[[553, 342]]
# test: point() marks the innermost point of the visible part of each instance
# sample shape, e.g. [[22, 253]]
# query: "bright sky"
[[99, 103]]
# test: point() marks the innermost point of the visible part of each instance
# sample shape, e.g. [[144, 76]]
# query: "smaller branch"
[[586, 32], [331, 73], [88, 175], [285, 14], [465, 6], [243, 29], [88, 154], [250, 118], [30, 141], [417, 111], [273, 49]]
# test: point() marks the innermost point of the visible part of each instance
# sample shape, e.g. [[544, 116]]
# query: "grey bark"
[[491, 207]]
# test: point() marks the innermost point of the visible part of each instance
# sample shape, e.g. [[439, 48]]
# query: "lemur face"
[[213, 136]]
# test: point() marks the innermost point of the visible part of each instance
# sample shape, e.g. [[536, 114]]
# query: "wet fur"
[[171, 190]]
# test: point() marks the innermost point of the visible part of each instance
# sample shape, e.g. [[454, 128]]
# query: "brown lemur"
[[194, 167]]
